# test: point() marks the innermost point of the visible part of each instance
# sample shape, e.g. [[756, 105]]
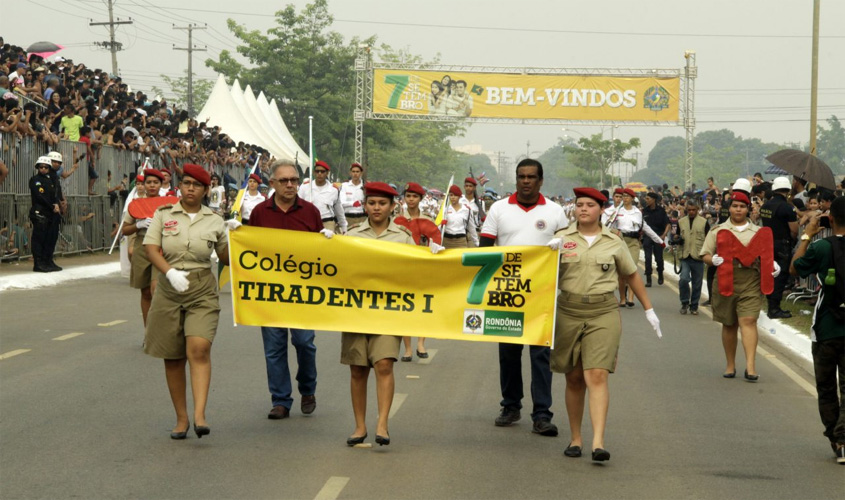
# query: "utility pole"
[[112, 45], [814, 79], [190, 49]]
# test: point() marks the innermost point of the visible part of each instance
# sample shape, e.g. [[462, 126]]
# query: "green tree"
[[593, 156], [830, 145], [178, 89]]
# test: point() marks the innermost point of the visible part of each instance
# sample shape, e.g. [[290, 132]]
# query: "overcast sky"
[[753, 55]]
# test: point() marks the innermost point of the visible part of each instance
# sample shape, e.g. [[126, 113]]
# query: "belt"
[[327, 219], [455, 236], [587, 299], [348, 215], [631, 234]]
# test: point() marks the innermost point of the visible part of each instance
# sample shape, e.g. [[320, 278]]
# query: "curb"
[[40, 280]]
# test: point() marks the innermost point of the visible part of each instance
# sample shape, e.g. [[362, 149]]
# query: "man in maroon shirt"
[[286, 210]]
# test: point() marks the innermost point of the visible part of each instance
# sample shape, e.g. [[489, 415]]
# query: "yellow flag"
[[441, 215]]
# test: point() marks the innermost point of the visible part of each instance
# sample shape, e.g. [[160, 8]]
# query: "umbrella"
[[435, 192], [805, 166], [775, 170], [43, 49]]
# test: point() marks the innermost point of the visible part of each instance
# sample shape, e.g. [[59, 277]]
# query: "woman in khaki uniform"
[[184, 313], [588, 326], [141, 274], [360, 350], [740, 310]]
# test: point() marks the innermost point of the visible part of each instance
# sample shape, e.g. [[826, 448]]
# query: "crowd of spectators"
[[58, 99]]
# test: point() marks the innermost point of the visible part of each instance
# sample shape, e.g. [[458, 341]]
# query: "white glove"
[[143, 223], [717, 261], [554, 244], [233, 224], [179, 279], [328, 233], [776, 272], [435, 248], [651, 316]]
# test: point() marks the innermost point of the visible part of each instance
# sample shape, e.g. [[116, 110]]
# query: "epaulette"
[[353, 226], [168, 205]]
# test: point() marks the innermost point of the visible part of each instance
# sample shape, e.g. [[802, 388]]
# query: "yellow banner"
[[302, 280], [539, 97]]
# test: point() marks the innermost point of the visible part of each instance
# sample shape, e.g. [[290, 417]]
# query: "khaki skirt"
[[142, 272], [746, 301], [174, 316], [364, 349], [633, 245], [588, 329]]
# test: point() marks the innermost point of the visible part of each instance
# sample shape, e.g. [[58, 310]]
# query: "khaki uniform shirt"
[[394, 233], [423, 215], [744, 237], [592, 269], [187, 244], [693, 236]]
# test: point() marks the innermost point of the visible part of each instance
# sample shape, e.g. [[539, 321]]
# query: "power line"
[[112, 45]]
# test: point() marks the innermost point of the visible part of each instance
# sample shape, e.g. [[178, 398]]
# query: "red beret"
[[379, 189], [470, 180], [740, 196], [198, 173], [413, 187], [588, 192], [256, 178], [618, 191], [323, 164], [356, 164], [630, 192], [139, 178], [165, 169], [455, 190], [154, 173]]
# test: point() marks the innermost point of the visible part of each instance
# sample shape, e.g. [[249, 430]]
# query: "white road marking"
[[431, 354], [398, 399], [789, 372], [412, 376], [331, 490], [13, 353], [69, 336], [112, 323]]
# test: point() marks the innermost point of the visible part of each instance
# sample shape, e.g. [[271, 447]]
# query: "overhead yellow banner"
[[539, 97], [302, 280]]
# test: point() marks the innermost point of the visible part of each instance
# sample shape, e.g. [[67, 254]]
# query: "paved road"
[[89, 417]]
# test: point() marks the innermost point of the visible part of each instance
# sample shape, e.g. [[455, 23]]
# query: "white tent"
[[260, 121], [271, 112], [262, 137], [222, 110]]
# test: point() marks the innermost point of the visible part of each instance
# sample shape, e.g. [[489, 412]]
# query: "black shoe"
[[180, 435], [352, 441], [601, 455], [544, 427], [779, 314], [684, 308], [201, 430], [572, 451], [660, 279], [406, 358], [648, 281], [39, 269], [751, 378], [729, 375], [53, 266], [630, 303], [382, 440], [507, 417], [308, 404], [421, 355]]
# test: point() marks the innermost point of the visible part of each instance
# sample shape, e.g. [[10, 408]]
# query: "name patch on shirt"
[[540, 225], [569, 245]]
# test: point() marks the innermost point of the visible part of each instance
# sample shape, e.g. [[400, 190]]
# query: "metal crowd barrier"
[[808, 288]]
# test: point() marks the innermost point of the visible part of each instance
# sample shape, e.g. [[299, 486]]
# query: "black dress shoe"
[[507, 417], [180, 435], [572, 451], [54, 267], [308, 404], [544, 427], [421, 355], [201, 430], [751, 378], [382, 440], [648, 281], [601, 455], [779, 314], [660, 279], [729, 375], [353, 440], [630, 303], [406, 358]]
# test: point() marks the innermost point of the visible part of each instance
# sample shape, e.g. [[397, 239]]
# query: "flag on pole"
[[482, 179], [441, 215]]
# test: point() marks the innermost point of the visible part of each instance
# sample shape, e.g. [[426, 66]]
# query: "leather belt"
[[327, 219], [455, 236]]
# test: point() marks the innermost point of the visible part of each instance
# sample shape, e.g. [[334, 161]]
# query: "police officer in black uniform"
[[45, 215], [655, 216], [780, 216]]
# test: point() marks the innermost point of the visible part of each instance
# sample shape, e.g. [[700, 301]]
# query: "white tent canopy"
[[271, 113]]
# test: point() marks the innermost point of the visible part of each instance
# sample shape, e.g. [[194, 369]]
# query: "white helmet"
[[781, 183], [43, 160], [742, 184], [55, 156]]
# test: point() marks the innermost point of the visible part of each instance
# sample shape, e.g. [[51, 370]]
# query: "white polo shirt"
[[509, 223]]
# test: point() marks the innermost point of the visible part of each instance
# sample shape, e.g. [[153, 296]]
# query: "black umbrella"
[[775, 170], [805, 166], [43, 47]]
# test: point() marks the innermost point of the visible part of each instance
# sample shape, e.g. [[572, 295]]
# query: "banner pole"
[[311, 157], [131, 196]]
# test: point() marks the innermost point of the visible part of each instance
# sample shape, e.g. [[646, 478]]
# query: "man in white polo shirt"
[[326, 198], [525, 218]]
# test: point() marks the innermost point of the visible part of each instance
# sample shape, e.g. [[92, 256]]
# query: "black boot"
[[660, 278], [39, 267], [53, 266], [648, 281]]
